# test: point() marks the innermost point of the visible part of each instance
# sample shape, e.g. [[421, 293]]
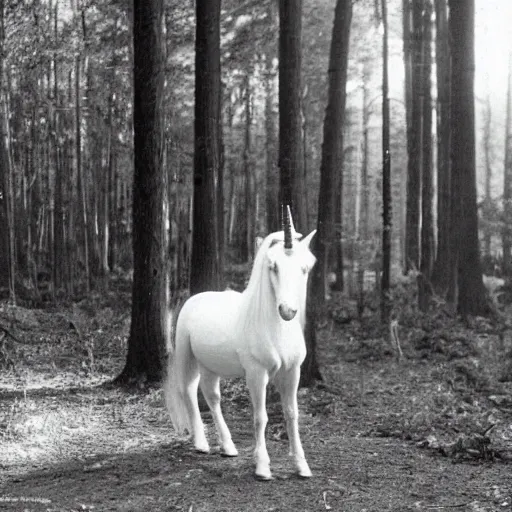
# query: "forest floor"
[[430, 432]]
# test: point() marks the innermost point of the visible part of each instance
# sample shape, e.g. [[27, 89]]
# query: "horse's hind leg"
[[288, 383], [210, 386], [190, 385]]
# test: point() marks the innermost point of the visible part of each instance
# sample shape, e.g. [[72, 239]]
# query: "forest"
[[147, 148]]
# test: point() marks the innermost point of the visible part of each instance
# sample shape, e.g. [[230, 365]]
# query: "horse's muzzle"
[[286, 312]]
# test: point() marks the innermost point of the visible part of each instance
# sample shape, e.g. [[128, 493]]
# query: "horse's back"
[[208, 319]]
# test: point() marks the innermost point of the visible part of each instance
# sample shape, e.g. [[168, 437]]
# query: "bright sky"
[[493, 39]]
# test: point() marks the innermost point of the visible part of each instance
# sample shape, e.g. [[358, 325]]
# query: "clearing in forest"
[[431, 432]]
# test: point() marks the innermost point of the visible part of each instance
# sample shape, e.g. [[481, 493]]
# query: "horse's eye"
[[273, 267], [305, 269]]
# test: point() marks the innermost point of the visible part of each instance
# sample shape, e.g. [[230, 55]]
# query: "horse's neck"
[[259, 309], [260, 317]]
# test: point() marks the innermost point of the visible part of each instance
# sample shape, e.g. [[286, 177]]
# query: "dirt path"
[[430, 433], [97, 449]]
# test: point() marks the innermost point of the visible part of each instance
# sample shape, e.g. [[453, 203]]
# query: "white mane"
[[258, 311]]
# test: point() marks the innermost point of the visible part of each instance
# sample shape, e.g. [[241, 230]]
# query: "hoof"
[[263, 477], [202, 448], [303, 469], [263, 473], [229, 451]]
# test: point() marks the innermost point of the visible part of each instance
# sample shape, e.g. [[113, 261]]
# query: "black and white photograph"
[[255, 255]]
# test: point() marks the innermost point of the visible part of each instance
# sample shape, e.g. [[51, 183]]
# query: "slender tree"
[[149, 328], [7, 264], [80, 172], [414, 104], [364, 209], [471, 296], [330, 174], [407, 52], [487, 206], [386, 176], [60, 256], [247, 241], [441, 274], [206, 259], [332, 146], [271, 174], [427, 223], [506, 234]]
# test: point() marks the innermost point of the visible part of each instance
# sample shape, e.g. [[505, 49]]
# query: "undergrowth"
[[448, 394]]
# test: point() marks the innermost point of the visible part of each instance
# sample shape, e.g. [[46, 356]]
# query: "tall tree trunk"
[[109, 196], [220, 217], [60, 253], [506, 234], [6, 168], [386, 177], [330, 175], [487, 203], [6, 269], [412, 230], [427, 223], [205, 266], [81, 184], [291, 161], [407, 51], [272, 177], [332, 148], [11, 194], [337, 256], [442, 275], [471, 297], [70, 194], [232, 175], [150, 295], [364, 213], [247, 238]]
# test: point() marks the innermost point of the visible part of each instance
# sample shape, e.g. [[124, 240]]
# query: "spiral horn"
[[287, 228]]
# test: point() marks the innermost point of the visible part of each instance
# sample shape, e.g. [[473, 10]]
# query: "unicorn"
[[257, 334]]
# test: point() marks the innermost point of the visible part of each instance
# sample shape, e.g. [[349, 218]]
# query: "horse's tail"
[[180, 362]]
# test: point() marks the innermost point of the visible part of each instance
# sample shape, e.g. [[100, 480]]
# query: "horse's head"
[[289, 268]]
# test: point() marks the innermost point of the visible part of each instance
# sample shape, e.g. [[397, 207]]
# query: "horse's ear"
[[307, 240]]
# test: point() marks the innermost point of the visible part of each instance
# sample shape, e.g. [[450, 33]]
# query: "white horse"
[[257, 333]]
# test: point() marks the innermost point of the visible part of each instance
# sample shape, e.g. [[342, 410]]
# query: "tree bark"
[[247, 234], [364, 213], [471, 297], [272, 177], [330, 175], [205, 266], [291, 161], [5, 257], [441, 274], [407, 51], [487, 206], [427, 223], [81, 183], [386, 178], [412, 231], [146, 343], [506, 234]]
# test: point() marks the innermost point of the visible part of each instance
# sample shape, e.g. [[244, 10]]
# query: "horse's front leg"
[[210, 386], [288, 383], [257, 380]]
